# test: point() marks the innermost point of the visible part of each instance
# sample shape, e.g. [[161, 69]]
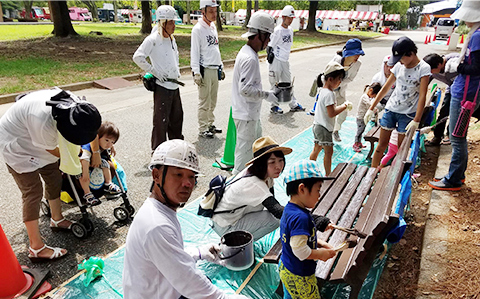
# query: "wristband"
[[97, 152]]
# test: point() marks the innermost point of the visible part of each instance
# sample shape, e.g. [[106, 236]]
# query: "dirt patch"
[[400, 276]]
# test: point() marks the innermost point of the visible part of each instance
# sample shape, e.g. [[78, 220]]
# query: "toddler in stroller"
[[94, 178]]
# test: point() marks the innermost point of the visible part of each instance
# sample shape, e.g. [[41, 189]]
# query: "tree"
[[219, 17], [62, 25], [146, 18], [1, 12], [312, 11], [188, 13], [255, 7], [28, 9], [92, 7], [249, 13]]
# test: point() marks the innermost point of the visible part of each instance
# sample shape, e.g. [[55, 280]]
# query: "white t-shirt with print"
[[281, 41], [404, 98], [326, 97], [27, 130], [250, 191]]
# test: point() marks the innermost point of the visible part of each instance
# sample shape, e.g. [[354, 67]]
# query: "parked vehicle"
[[444, 28], [37, 13], [46, 12], [79, 14]]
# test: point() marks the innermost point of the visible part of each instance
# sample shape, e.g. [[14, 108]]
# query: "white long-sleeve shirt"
[[156, 265], [163, 54], [204, 49], [281, 42], [247, 93], [349, 76]]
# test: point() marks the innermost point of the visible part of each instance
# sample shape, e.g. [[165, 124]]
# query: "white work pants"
[[279, 71], [247, 133]]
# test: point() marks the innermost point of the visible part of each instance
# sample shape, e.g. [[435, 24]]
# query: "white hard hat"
[[288, 11], [208, 3], [260, 21], [165, 12], [176, 152]]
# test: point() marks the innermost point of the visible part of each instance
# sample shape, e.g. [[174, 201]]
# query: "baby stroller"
[[71, 188]]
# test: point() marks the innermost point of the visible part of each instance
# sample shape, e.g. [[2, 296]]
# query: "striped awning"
[[124, 11], [323, 14], [364, 15], [392, 17]]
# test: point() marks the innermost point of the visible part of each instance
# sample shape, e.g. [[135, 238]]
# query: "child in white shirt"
[[325, 112], [366, 100]]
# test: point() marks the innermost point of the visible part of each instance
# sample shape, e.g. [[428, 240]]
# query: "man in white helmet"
[[156, 264], [247, 91], [278, 51], [207, 66], [161, 48]]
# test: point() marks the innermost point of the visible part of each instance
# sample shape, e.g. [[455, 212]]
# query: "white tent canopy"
[[438, 6], [321, 14]]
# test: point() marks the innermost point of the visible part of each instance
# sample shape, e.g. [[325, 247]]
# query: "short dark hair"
[[259, 166], [109, 129], [334, 75], [375, 87], [292, 187], [434, 60]]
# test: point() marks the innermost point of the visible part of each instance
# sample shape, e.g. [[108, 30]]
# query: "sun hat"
[[353, 47], [305, 169], [265, 145], [331, 67], [400, 47], [77, 120], [468, 12]]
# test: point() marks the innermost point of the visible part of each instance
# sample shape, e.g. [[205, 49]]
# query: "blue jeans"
[[393, 120], [458, 163]]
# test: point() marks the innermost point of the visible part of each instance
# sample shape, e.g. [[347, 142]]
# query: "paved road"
[[131, 110]]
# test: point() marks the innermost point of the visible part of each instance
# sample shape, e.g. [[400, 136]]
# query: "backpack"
[[214, 194]]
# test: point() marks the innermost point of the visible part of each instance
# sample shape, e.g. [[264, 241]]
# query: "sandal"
[[112, 189], [445, 141], [54, 225], [57, 253], [91, 199]]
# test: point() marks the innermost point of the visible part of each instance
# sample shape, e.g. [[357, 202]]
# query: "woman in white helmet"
[[207, 66], [247, 92], [278, 54], [156, 264], [161, 48]]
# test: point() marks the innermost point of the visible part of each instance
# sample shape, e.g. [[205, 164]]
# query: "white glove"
[[426, 130], [210, 253], [313, 89], [452, 65], [197, 78], [349, 105], [368, 116], [271, 97], [413, 125]]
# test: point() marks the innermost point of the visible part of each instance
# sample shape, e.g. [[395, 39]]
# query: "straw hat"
[[468, 12], [265, 145]]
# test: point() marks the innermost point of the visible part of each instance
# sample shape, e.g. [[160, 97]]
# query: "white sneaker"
[[336, 136]]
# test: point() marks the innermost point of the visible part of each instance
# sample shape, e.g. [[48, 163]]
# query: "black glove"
[[270, 55], [321, 222]]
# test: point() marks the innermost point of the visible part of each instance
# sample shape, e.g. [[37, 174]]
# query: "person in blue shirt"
[[298, 232]]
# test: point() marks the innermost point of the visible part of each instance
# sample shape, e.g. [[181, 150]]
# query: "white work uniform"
[[156, 265], [281, 42], [27, 130], [340, 92], [247, 95], [205, 52], [163, 54]]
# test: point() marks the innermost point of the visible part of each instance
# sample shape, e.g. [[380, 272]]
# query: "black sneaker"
[[206, 134], [215, 130], [276, 110], [297, 108]]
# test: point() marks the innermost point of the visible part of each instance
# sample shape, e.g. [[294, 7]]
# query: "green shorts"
[[298, 287]]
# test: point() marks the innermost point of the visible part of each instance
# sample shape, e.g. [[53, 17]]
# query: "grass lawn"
[[30, 58]]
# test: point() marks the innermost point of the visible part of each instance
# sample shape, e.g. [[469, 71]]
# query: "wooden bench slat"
[[273, 255], [372, 136]]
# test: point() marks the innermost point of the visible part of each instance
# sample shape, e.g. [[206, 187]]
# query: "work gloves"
[[222, 76], [271, 97], [452, 65], [368, 116], [349, 105], [413, 125], [197, 78], [270, 55], [208, 252]]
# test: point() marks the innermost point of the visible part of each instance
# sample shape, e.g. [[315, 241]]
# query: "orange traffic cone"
[[448, 41], [434, 37], [426, 40], [461, 39], [429, 38], [13, 279]]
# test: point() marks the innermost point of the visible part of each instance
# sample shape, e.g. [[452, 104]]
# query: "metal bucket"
[[237, 250], [284, 91]]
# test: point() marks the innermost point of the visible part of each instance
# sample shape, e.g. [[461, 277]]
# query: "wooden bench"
[[363, 198], [372, 136]]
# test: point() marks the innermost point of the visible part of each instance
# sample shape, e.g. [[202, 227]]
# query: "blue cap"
[[305, 169], [353, 47]]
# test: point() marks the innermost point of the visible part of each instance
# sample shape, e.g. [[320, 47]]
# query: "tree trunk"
[[1, 12], [28, 9], [115, 9], [188, 13], [92, 7], [255, 7], [62, 26], [312, 11], [219, 17], [159, 3], [249, 13], [146, 18], [168, 2]]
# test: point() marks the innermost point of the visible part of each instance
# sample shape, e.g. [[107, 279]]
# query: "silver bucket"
[[237, 250], [283, 91]]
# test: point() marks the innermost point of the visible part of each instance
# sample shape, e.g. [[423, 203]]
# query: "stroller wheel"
[[88, 224], [45, 207], [79, 230], [120, 213]]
